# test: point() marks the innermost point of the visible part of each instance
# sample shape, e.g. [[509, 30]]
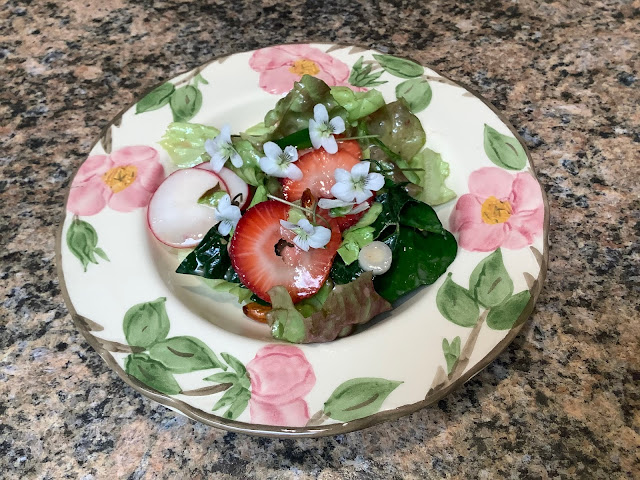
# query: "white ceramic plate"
[[191, 349]]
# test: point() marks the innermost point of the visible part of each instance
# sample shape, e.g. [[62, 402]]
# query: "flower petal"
[[293, 172], [362, 195], [314, 134], [360, 170], [374, 181], [320, 114], [341, 175], [269, 166], [306, 226], [236, 159], [360, 208], [468, 210], [526, 195], [291, 152], [223, 203], [320, 237], [272, 150], [132, 197], [303, 243], [288, 225], [225, 133], [344, 191], [483, 237], [491, 182], [88, 198], [217, 162], [330, 145], [337, 124], [329, 203], [224, 228]]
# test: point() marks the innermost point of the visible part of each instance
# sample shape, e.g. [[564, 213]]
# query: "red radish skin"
[[174, 216], [234, 184], [254, 258]]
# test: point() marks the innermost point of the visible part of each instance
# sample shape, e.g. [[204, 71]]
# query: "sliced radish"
[[174, 215], [235, 185]]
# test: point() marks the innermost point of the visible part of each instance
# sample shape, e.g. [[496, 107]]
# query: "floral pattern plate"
[[191, 348]]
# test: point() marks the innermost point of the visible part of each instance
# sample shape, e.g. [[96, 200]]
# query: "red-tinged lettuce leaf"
[[347, 305]]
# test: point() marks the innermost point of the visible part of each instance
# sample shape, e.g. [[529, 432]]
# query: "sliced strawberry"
[[262, 254], [348, 220], [317, 168]]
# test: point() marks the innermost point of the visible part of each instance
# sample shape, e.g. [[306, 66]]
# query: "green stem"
[[307, 210]]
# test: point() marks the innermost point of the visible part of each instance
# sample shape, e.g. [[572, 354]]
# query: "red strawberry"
[[348, 220], [263, 260], [317, 168]]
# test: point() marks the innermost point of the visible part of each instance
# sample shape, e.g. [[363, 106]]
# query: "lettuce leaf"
[[250, 171], [292, 112], [398, 128], [432, 177], [359, 235], [184, 142], [222, 286], [345, 307], [357, 104]]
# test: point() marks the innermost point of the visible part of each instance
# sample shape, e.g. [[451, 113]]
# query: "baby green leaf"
[[434, 171], [490, 283], [357, 104], [400, 67], [358, 398], [184, 354], [503, 316], [151, 373], [146, 323], [503, 150], [237, 290], [416, 92], [156, 98], [185, 103], [184, 142], [456, 304]]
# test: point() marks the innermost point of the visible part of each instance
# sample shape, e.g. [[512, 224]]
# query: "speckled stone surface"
[[561, 402]]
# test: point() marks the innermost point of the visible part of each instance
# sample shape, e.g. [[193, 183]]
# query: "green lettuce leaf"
[[345, 307], [250, 170], [237, 290], [292, 113], [309, 306], [357, 104], [432, 177], [359, 235], [398, 128], [184, 142]]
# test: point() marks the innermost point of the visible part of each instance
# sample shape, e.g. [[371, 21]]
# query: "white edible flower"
[[330, 203], [221, 149], [307, 235], [321, 129], [279, 163], [357, 185], [227, 214]]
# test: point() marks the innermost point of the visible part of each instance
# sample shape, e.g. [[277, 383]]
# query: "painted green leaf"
[[451, 352], [146, 323], [503, 316], [185, 103], [454, 348], [234, 363], [222, 377], [184, 354], [503, 150], [82, 241], [416, 92], [239, 404], [156, 98], [358, 397], [151, 373], [456, 304], [400, 67], [490, 283], [361, 75]]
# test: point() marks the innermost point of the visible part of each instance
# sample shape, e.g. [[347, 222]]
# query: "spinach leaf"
[[210, 259]]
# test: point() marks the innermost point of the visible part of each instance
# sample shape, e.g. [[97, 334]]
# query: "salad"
[[317, 219]]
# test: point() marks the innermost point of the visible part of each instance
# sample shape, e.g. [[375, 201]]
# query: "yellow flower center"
[[495, 211], [304, 66], [119, 178]]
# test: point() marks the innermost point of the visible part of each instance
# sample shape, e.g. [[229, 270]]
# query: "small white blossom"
[[330, 203], [221, 149], [357, 185], [279, 163], [307, 235], [321, 129], [227, 214]]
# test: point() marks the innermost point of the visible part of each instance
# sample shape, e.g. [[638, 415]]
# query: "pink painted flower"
[[282, 65], [500, 210], [124, 180], [280, 377]]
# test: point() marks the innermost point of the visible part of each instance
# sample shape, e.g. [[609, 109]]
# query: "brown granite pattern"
[[561, 402]]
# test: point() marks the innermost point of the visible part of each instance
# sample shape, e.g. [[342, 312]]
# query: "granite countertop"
[[560, 402]]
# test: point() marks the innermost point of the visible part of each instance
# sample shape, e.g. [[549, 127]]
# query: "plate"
[[190, 348]]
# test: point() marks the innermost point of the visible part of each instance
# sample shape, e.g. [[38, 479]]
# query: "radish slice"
[[235, 185], [174, 215]]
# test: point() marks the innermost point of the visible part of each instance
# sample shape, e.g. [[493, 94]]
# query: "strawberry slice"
[[348, 220], [263, 254], [317, 168]]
